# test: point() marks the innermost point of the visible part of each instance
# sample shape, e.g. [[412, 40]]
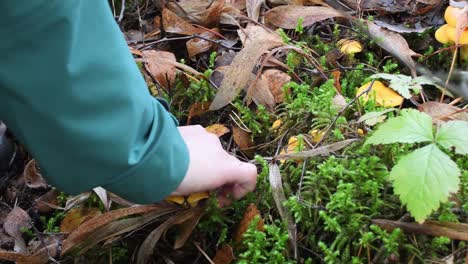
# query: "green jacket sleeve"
[[73, 95]]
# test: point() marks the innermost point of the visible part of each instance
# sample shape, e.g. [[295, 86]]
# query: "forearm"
[[73, 95]]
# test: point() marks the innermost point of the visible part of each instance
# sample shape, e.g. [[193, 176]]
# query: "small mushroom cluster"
[[447, 33]]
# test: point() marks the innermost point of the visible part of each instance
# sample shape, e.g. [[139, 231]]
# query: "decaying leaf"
[[286, 16], [253, 8], [239, 72], [441, 112], [243, 139], [76, 200], [224, 255], [33, 177], [102, 194], [202, 12], [174, 24], [393, 43], [276, 80], [262, 95], [47, 202], [15, 221], [187, 228], [147, 247], [250, 213], [217, 129], [252, 33], [197, 46], [76, 216], [161, 65]]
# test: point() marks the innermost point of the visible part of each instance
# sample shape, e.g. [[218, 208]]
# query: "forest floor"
[[353, 111]]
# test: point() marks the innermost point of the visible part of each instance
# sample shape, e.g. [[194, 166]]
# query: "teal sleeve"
[[72, 94]]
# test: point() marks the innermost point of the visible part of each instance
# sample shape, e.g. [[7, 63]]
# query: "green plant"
[[268, 246], [425, 177]]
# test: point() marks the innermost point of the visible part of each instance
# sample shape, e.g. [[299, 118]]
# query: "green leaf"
[[453, 134], [411, 126], [404, 83], [372, 118], [423, 179]]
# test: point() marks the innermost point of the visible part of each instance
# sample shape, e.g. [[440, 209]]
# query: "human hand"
[[211, 167]]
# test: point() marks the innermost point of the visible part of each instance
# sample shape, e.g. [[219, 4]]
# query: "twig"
[[203, 253], [122, 10]]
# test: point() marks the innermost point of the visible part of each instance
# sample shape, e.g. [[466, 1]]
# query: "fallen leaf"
[[276, 80], [243, 139], [442, 113], [76, 216], [239, 72], [174, 24], [186, 229], [324, 150], [197, 46], [384, 96], [103, 196], [45, 201], [161, 65], [217, 129], [373, 118], [202, 12], [262, 95], [252, 33], [250, 213], [197, 109], [339, 102], [277, 190], [224, 255], [286, 16], [253, 8], [15, 221], [394, 44], [33, 177]]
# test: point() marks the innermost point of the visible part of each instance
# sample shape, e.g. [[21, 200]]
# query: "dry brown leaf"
[[217, 129], [76, 200], [147, 247], [253, 8], [174, 24], [197, 109], [224, 255], [161, 65], [262, 95], [239, 72], [250, 213], [276, 80], [441, 113], [394, 44], [336, 80], [15, 221], [243, 139], [324, 150], [33, 177], [45, 202], [76, 216], [203, 12], [103, 196], [196, 46], [286, 16], [254, 33], [186, 229], [86, 229]]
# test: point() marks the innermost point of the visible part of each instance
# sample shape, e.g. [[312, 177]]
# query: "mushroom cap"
[[349, 46], [441, 34], [384, 96], [452, 34], [451, 14]]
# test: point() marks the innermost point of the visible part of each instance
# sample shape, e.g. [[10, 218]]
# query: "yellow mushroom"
[[451, 14], [447, 34], [349, 46], [384, 96]]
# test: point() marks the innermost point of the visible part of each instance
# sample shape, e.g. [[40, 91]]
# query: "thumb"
[[242, 177]]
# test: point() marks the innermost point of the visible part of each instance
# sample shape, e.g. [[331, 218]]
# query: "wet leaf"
[[250, 213], [217, 129], [33, 177], [239, 72], [286, 16], [224, 255], [76, 216]]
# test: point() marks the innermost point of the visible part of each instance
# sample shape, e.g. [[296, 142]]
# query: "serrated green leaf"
[[398, 82], [423, 179], [453, 134], [411, 126]]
